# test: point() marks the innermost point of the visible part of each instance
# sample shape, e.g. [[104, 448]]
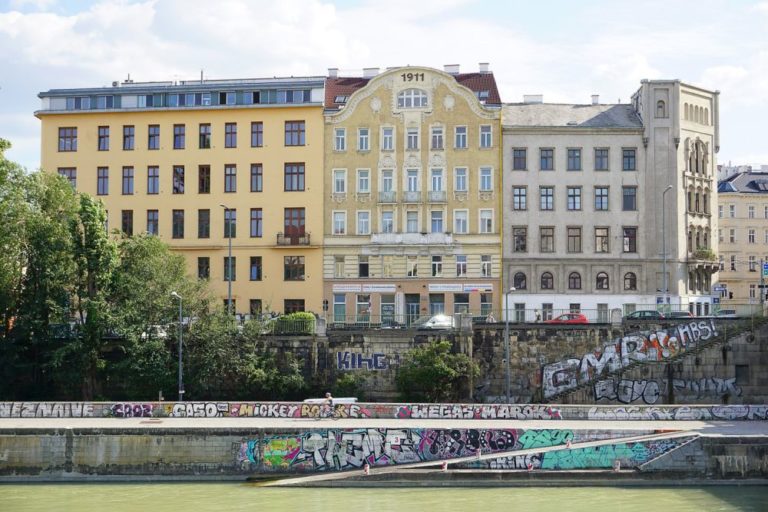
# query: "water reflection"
[[203, 497]]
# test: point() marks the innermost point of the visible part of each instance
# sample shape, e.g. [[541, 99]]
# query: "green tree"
[[432, 373], [81, 357]]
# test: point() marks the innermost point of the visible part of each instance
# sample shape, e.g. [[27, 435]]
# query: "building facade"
[[742, 233], [412, 194], [203, 164], [595, 193]]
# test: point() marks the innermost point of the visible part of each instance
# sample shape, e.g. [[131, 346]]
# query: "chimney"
[[533, 98], [333, 72], [452, 69], [595, 99], [484, 68], [370, 72]]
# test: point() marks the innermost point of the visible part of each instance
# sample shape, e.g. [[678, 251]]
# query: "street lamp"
[[181, 345], [228, 224], [506, 343], [665, 288]]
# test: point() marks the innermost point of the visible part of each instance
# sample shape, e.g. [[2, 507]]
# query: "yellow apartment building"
[[412, 194], [194, 162]]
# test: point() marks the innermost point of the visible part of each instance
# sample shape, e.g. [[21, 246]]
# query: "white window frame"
[[387, 139], [437, 139], [340, 139], [436, 216], [390, 179], [461, 222], [485, 221], [363, 139], [408, 219], [464, 178], [339, 229], [408, 174], [339, 177], [460, 137], [412, 142], [436, 177], [364, 181], [461, 266], [391, 224], [751, 235], [366, 221], [486, 136], [489, 177]]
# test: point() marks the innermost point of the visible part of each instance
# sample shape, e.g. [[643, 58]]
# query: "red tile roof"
[[345, 86]]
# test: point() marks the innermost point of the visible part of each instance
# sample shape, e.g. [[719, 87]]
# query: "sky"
[[566, 50]]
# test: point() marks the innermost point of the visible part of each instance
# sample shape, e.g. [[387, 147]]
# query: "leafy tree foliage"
[[431, 373]]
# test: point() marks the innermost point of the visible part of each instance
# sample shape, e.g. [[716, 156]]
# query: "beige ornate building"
[[412, 194], [743, 236], [593, 193]]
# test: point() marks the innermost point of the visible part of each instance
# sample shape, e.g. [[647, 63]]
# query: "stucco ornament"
[[375, 104], [449, 102]]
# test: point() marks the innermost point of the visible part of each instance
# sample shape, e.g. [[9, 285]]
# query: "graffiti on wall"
[[679, 413], [357, 361], [629, 455], [131, 410], [338, 450], [479, 411], [629, 391], [260, 410], [621, 352], [46, 410]]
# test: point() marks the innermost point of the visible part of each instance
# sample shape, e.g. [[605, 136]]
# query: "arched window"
[[601, 281], [690, 200], [412, 98], [706, 116], [519, 281], [697, 206], [698, 240], [661, 109], [690, 240], [547, 281], [574, 281], [686, 112], [706, 203], [630, 281]]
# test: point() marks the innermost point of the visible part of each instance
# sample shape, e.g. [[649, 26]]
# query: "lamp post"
[[228, 224], [665, 289], [181, 345], [506, 343]]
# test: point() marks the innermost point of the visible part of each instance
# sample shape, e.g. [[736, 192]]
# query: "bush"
[[431, 373], [295, 323]]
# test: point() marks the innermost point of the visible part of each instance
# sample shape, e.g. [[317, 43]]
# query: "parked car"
[[155, 331], [726, 313], [645, 314], [439, 321], [679, 314], [569, 318]]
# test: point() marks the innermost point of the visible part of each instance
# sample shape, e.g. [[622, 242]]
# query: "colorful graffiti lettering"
[[538, 438], [200, 410], [627, 391], [629, 455]]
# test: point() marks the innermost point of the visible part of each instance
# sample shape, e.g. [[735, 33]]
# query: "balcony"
[[411, 196], [388, 197], [293, 239], [412, 238], [437, 196]]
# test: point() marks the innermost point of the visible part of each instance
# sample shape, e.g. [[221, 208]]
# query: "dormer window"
[[340, 99], [483, 95], [412, 98]]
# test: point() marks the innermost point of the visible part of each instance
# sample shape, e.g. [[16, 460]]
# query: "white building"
[[584, 185]]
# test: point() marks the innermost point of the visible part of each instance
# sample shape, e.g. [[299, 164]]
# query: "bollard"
[[478, 453], [568, 444], [445, 466], [530, 466], [366, 469], [617, 465]]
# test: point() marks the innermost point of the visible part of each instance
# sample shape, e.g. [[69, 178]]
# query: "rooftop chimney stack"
[[533, 98], [333, 72], [370, 72], [484, 68], [595, 99], [452, 69]]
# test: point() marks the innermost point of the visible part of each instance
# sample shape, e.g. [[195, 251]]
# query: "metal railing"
[[283, 239]]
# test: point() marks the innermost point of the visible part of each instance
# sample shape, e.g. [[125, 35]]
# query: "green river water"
[[240, 497]]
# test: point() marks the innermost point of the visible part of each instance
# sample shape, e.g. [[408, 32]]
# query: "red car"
[[569, 318]]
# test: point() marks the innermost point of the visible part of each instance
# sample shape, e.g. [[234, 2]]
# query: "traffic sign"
[[765, 269], [719, 287]]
